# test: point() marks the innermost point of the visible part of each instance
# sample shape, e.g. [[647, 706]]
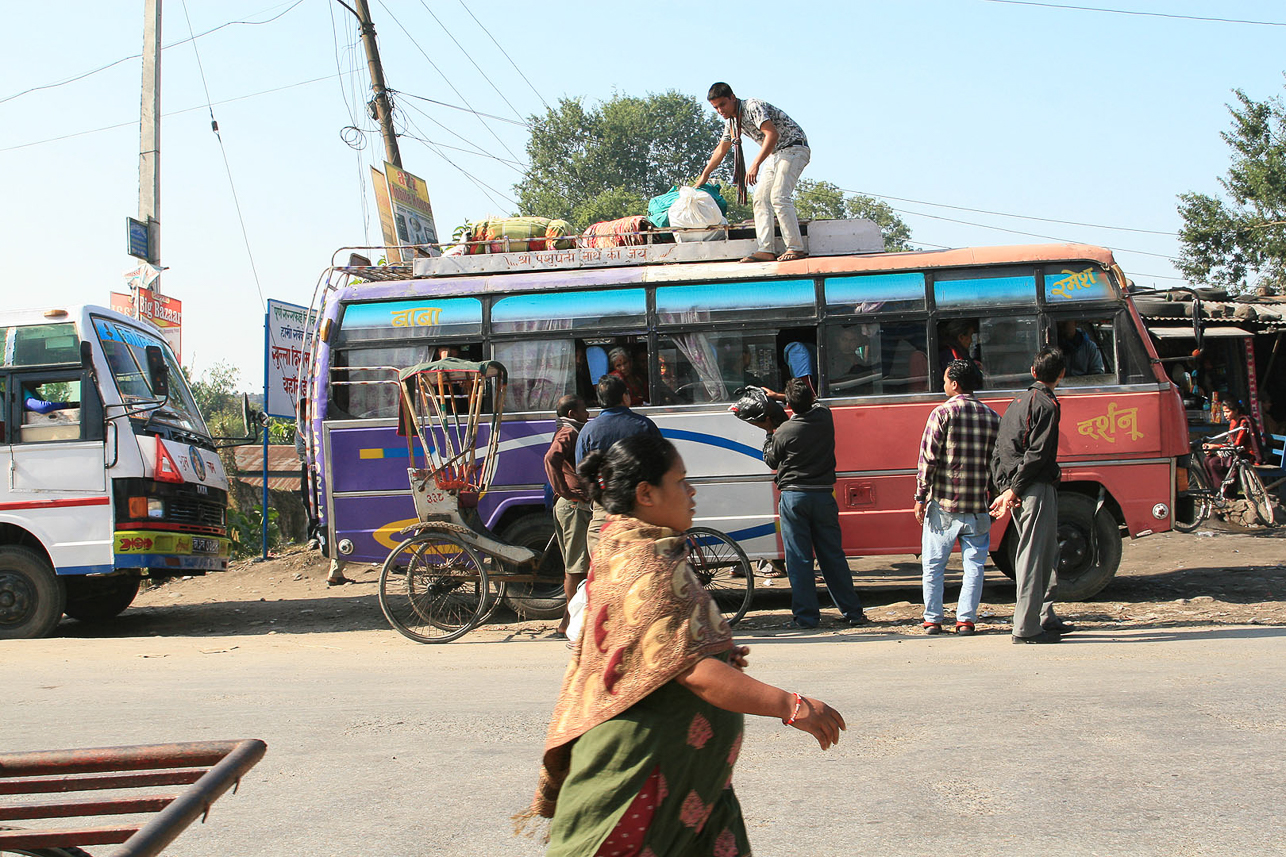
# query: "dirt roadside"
[[1217, 576]]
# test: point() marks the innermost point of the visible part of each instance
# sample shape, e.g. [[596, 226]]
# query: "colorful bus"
[[111, 473], [874, 329]]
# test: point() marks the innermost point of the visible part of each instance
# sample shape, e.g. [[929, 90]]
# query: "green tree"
[[605, 162], [822, 200], [215, 392], [1241, 244]]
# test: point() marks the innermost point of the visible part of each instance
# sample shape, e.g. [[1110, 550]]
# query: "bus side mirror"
[[158, 374], [86, 355]]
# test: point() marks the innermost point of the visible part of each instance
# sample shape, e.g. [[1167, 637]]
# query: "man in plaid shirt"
[[951, 496]]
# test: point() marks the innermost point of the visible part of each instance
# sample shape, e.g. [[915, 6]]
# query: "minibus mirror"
[[158, 374], [86, 355]]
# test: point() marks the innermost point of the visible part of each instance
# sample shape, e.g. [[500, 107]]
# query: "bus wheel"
[[1081, 573], [1005, 556], [31, 595], [97, 599], [545, 598]]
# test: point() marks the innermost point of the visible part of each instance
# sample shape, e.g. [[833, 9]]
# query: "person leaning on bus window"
[[802, 451], [571, 508], [623, 367], [1025, 467], [801, 361], [783, 154], [951, 493], [1082, 353], [614, 422]]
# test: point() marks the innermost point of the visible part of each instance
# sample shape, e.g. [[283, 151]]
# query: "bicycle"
[[1194, 503]]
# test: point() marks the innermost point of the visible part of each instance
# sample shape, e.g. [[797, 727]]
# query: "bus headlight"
[[155, 508]]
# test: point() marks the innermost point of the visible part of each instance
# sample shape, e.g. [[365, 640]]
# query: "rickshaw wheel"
[[434, 588], [724, 571]]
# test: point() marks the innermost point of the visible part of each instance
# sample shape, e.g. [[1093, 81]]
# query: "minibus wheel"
[[1089, 547], [32, 596]]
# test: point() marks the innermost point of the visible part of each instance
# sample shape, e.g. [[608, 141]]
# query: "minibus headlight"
[[155, 508]]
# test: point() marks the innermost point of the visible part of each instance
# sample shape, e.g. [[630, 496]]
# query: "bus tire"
[[545, 599], [97, 599], [1082, 574], [32, 596], [1005, 556]]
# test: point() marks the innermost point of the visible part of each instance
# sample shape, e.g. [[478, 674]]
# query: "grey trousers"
[[1036, 569]]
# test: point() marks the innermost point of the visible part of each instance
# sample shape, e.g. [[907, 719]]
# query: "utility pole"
[[383, 111], [149, 149]]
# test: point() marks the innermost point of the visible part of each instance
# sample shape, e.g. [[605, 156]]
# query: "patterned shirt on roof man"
[[955, 455], [755, 113]]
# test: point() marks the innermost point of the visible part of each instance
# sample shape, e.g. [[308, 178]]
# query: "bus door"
[[56, 432]]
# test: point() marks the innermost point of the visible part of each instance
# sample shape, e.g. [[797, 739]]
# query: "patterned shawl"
[[648, 621]]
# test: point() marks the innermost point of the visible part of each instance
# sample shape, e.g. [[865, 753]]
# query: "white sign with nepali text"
[[287, 335]]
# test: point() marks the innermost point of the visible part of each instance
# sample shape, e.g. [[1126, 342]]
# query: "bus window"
[[364, 380], [42, 344], [4, 437], [1006, 347], [1087, 346], [541, 371], [876, 358], [709, 367], [50, 410]]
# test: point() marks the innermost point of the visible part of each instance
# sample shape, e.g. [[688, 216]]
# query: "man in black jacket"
[[802, 451], [1024, 467]]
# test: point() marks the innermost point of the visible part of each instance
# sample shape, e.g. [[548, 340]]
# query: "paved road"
[[1134, 742]]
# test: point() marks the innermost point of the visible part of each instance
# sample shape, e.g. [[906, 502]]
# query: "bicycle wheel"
[[1192, 506], [724, 570], [434, 588], [1253, 489]]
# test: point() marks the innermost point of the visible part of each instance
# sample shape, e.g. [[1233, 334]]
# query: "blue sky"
[[1094, 119]]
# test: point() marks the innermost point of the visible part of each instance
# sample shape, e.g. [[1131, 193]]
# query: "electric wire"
[[506, 53], [214, 126], [1140, 14], [486, 189], [402, 92], [357, 140], [136, 56], [516, 166], [470, 58], [460, 95]]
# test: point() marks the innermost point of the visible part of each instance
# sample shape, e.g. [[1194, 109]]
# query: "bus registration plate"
[[206, 546]]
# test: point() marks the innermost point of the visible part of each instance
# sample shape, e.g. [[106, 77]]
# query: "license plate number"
[[200, 545]]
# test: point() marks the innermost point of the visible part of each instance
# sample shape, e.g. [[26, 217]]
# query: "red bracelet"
[[794, 715]]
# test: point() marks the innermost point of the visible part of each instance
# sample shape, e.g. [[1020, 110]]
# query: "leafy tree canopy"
[[821, 200], [602, 163], [1241, 244]]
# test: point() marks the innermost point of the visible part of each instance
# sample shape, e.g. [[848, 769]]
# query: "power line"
[[1140, 14], [486, 189], [506, 53], [523, 124], [136, 56], [425, 54], [1018, 216], [476, 150], [469, 57], [214, 126], [134, 123]]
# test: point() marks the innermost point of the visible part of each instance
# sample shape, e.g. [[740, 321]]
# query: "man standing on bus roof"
[[802, 451], [614, 422], [571, 508], [783, 154], [1025, 467], [951, 493]]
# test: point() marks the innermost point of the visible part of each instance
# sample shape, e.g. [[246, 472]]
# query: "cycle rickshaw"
[[451, 573]]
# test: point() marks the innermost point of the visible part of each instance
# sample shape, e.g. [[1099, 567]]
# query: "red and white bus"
[[876, 328]]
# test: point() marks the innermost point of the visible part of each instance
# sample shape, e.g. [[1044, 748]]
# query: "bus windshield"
[[125, 348]]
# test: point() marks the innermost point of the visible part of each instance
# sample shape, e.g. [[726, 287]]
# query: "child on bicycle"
[[1242, 437]]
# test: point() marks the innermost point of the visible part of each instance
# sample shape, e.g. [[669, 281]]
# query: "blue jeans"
[[810, 524], [941, 529]]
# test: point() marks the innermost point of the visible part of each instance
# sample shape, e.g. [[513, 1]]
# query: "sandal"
[[792, 255], [759, 257]]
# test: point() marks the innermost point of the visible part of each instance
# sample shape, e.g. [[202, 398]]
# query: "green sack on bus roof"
[[519, 235]]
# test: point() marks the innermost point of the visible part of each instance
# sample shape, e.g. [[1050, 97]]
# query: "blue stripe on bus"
[[713, 440], [769, 529], [86, 569]]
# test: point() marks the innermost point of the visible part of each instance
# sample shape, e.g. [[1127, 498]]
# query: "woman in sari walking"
[[649, 723]]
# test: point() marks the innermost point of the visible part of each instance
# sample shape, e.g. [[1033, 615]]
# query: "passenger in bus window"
[[801, 361], [623, 368], [851, 357], [955, 341], [783, 154], [1082, 353]]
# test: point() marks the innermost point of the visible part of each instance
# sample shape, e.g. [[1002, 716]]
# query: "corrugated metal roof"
[[283, 466]]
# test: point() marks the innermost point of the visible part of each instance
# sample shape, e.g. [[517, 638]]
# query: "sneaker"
[[965, 629], [855, 621], [1042, 637], [932, 628]]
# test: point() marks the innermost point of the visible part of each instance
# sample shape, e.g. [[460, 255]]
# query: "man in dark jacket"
[[1024, 467], [571, 506], [802, 451]]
